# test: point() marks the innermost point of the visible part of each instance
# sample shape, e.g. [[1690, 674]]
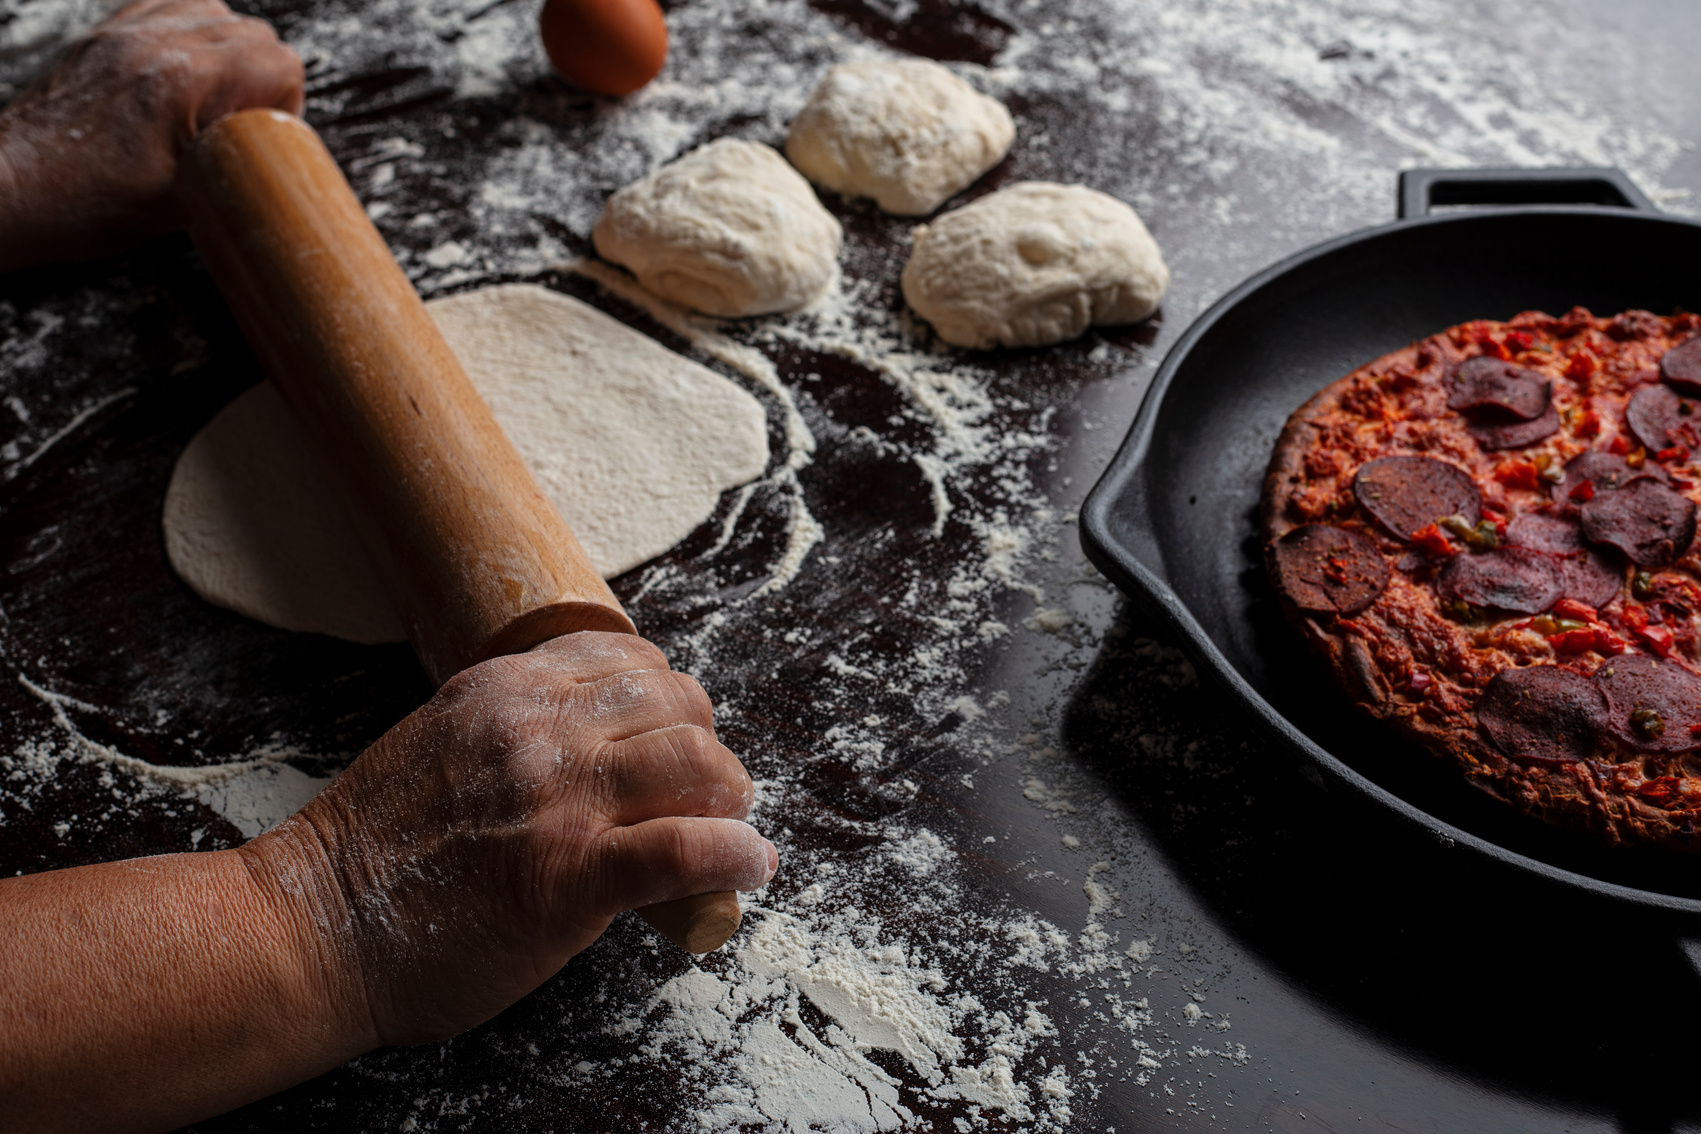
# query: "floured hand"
[[496, 832], [88, 152]]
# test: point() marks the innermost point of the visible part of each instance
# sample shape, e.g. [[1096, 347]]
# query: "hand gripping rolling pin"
[[477, 560]]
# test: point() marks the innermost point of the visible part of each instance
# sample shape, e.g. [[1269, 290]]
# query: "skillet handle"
[[1690, 947], [1423, 189]]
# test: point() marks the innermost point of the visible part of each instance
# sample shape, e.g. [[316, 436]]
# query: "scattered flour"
[[825, 1015], [253, 794]]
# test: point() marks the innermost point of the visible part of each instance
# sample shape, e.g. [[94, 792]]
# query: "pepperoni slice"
[[1406, 494], [1661, 419], [1507, 578], [1651, 704], [1329, 569], [1646, 520], [1544, 531], [1635, 324], [1603, 471], [1589, 575], [1543, 714], [1681, 366], [1513, 434], [1592, 577], [1489, 384]]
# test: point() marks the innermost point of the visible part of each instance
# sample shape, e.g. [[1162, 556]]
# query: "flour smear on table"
[[831, 1011]]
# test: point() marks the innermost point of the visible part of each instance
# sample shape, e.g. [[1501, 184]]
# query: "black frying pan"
[[1172, 522]]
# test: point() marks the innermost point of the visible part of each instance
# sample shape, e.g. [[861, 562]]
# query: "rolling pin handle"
[[698, 925]]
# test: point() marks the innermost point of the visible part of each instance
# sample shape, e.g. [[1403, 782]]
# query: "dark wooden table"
[[1368, 984]]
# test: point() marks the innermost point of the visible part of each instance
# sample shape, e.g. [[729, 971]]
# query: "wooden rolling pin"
[[477, 560]]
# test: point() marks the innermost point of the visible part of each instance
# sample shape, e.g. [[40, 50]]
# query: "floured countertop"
[[1032, 877]]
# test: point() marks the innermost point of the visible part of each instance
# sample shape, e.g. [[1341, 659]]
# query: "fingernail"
[[773, 858]]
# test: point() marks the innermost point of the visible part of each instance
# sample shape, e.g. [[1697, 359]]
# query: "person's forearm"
[[20, 240], [145, 994]]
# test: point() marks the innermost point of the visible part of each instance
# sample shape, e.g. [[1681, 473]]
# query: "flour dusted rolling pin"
[[477, 560]]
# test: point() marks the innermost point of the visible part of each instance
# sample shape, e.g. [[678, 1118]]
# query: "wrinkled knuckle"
[[253, 27], [511, 726], [508, 671], [693, 697], [642, 649], [694, 748], [158, 77], [602, 645], [459, 688], [746, 787]]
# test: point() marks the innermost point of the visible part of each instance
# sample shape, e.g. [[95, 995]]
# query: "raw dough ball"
[[1033, 264], [633, 443], [728, 229], [906, 132]]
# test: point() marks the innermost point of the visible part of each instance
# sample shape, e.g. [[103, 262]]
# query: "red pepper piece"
[[1659, 790], [1432, 541], [1571, 608], [1659, 638], [1490, 347], [1584, 492], [1597, 638], [1674, 453], [1619, 445], [1520, 340], [1609, 643], [1588, 425], [1582, 365], [1635, 615], [1573, 641], [1518, 474]]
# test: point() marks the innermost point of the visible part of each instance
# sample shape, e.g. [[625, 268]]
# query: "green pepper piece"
[[1458, 525], [1648, 722], [1642, 586], [1460, 611], [1482, 537]]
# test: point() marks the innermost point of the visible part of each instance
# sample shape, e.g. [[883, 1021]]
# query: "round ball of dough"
[[1032, 264], [906, 132], [728, 229]]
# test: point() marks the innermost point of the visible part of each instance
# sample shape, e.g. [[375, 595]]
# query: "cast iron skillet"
[[1172, 521]]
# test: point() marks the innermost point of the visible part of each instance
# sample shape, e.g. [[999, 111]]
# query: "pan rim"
[[1154, 593]]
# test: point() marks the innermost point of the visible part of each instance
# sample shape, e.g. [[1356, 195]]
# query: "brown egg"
[[612, 47]]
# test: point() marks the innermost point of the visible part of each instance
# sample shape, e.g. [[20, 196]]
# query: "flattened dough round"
[[632, 442], [1032, 264], [906, 132], [729, 229]]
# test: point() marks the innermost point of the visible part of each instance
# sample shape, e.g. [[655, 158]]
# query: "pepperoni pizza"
[[1490, 537]]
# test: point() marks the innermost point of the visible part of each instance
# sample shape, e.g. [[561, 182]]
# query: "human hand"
[[88, 152], [496, 832]]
